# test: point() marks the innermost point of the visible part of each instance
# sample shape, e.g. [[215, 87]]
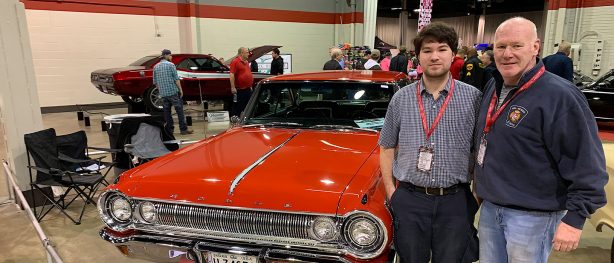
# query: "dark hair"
[[276, 51], [440, 32], [402, 49]]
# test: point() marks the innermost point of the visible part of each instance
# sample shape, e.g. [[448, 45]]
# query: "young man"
[[425, 144], [241, 81], [277, 65], [540, 166], [166, 79]]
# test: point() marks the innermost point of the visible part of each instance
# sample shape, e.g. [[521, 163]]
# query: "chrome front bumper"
[[159, 248]]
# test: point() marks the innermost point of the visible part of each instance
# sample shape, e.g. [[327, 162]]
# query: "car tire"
[[152, 99]]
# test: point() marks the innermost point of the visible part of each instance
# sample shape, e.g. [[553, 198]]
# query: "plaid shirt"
[[451, 140], [164, 76]]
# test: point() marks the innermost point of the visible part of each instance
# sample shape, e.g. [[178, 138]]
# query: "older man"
[[335, 56], [241, 81], [540, 166], [559, 63]]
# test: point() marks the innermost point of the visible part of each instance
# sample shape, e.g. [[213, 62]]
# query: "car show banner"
[[426, 7]]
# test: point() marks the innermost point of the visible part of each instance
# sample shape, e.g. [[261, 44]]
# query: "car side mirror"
[[235, 121]]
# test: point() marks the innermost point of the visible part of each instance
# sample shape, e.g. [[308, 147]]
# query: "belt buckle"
[[426, 191]]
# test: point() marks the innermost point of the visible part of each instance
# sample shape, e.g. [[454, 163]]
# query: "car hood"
[[255, 53], [268, 169], [111, 71]]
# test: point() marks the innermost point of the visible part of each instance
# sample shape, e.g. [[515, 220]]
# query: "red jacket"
[[455, 68]]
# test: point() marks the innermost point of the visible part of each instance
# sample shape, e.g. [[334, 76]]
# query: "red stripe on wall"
[[557, 4], [133, 7]]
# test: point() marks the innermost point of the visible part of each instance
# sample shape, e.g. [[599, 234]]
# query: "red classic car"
[[296, 180], [201, 76]]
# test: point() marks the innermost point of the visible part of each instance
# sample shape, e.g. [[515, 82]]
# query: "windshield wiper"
[[340, 127], [275, 124]]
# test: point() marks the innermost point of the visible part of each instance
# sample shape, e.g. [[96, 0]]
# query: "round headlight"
[[363, 232], [121, 209], [324, 229], [148, 212]]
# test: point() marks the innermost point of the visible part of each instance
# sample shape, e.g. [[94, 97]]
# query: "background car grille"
[[235, 221]]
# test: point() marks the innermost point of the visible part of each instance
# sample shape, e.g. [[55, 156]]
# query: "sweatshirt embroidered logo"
[[515, 116]]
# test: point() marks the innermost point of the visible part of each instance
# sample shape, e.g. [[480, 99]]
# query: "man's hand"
[[566, 238], [390, 192], [233, 90]]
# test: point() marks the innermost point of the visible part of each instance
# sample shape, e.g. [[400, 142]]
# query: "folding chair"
[[74, 147], [51, 170], [143, 139]]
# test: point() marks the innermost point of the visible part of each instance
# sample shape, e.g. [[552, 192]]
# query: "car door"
[[214, 78], [600, 97]]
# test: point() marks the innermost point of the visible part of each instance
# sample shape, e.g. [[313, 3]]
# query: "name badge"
[[481, 152], [425, 159]]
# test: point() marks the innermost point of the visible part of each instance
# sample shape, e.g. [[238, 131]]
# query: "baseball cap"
[[166, 52]]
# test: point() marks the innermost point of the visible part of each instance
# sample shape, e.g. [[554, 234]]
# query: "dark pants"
[[243, 96], [437, 226], [176, 102]]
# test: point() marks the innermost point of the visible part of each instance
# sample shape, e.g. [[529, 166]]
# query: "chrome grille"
[[261, 223]]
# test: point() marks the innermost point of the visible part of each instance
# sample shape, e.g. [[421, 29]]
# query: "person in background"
[[366, 56], [399, 62], [222, 61], [457, 64], [372, 64], [166, 79], [385, 63], [540, 166], [413, 60], [241, 81], [335, 56], [559, 63], [488, 61], [471, 73], [277, 64], [253, 66]]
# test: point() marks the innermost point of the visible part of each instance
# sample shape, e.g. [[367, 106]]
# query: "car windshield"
[[320, 104], [145, 61]]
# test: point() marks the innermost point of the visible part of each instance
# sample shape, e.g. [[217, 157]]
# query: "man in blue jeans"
[[166, 79], [540, 166]]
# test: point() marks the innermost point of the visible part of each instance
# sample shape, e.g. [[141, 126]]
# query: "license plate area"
[[216, 257]]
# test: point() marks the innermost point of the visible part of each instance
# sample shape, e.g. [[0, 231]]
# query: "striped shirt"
[[164, 76], [451, 140]]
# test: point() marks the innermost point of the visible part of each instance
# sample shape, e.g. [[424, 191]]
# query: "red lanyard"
[[490, 118], [425, 126]]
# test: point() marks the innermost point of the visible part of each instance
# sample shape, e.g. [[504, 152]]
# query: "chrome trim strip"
[[242, 175]]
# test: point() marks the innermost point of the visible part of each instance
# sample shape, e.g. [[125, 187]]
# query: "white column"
[[19, 106], [370, 18]]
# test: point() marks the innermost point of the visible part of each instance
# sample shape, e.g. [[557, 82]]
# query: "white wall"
[[308, 43], [590, 24], [68, 46]]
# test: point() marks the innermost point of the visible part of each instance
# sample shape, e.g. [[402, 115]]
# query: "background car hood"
[[110, 71], [309, 170]]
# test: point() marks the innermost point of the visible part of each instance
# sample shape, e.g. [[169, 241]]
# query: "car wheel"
[[132, 100], [152, 99]]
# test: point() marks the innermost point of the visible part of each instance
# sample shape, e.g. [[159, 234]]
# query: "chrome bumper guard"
[[161, 248]]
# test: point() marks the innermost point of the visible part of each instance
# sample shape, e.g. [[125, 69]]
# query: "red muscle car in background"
[[202, 76], [297, 181]]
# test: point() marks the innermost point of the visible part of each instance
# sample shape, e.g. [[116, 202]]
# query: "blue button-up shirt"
[[164, 76], [451, 140]]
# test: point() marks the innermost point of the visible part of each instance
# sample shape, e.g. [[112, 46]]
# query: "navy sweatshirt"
[[544, 152]]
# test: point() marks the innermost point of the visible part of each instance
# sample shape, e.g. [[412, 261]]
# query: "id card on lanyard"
[[491, 117], [426, 154]]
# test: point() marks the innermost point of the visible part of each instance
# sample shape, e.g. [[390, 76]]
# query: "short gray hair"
[[335, 52], [565, 47]]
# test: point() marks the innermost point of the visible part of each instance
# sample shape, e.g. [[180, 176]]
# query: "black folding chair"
[[54, 169], [75, 148]]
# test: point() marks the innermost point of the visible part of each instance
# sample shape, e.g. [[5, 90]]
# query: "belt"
[[243, 89], [437, 191]]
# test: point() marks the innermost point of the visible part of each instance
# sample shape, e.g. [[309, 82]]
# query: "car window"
[[147, 61], [606, 84], [319, 103], [186, 64], [207, 64]]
